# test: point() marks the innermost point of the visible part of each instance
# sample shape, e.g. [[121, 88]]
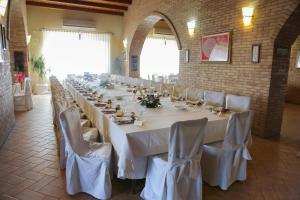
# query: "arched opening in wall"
[[154, 49], [284, 101], [159, 58]]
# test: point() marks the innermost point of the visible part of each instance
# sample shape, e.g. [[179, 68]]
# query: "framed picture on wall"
[[134, 63], [216, 48], [255, 57], [186, 56], [298, 60]]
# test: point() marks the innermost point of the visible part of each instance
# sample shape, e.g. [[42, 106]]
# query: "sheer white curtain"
[[69, 52], [160, 56]]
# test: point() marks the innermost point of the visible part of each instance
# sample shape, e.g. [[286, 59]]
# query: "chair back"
[[214, 98], [186, 139], [238, 130], [27, 88], [238, 103], [70, 124], [195, 94]]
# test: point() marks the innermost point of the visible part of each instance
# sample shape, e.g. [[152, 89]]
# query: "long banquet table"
[[133, 144]]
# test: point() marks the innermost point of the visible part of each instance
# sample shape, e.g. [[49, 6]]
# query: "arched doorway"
[[279, 76], [139, 38]]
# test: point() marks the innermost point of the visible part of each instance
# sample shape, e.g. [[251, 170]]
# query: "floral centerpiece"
[[20, 77], [150, 101]]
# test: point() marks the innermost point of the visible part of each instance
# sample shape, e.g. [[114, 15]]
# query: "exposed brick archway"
[[141, 33], [18, 40], [280, 67]]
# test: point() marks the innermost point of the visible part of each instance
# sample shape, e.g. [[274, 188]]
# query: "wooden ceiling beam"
[[91, 4], [129, 2], [68, 7]]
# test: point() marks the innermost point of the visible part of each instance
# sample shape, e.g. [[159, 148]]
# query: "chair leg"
[[298, 154]]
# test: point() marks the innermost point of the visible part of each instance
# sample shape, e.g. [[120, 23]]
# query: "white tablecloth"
[[133, 144]]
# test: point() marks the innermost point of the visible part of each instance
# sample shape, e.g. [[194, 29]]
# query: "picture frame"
[[134, 63], [216, 48], [298, 60], [255, 55], [186, 56]]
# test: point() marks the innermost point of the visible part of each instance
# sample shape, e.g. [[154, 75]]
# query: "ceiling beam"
[[67, 7], [119, 1], [92, 4]]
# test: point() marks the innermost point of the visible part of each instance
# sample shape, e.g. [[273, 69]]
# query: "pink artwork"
[[216, 48]]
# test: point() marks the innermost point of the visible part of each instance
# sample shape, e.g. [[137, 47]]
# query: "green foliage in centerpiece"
[[150, 101]]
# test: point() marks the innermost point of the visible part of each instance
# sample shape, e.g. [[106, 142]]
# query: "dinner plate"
[[181, 107]]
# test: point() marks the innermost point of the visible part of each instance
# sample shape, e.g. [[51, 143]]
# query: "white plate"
[[181, 107]]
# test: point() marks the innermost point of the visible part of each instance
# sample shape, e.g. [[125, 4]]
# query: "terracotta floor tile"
[[30, 195], [20, 187], [51, 172], [52, 191], [41, 183], [32, 175], [12, 179]]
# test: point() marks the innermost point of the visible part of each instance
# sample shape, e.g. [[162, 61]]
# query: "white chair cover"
[[214, 98], [177, 175], [238, 103], [224, 163], [16, 88], [195, 94], [23, 101], [88, 164], [89, 134]]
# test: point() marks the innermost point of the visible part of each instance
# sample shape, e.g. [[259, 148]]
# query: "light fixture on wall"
[[125, 43], [28, 39], [247, 15], [191, 27]]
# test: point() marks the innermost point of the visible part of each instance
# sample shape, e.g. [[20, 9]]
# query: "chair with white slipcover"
[[16, 88], [214, 98], [238, 103], [177, 175], [88, 163], [225, 162], [194, 94], [23, 100], [89, 134]]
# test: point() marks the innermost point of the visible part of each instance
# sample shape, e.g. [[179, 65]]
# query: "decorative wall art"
[[255, 58], [134, 63], [216, 48]]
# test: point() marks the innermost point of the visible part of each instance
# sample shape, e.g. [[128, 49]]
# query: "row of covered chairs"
[[232, 102], [220, 99], [86, 161], [178, 174]]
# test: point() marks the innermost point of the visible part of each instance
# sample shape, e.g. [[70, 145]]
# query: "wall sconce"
[[191, 27], [125, 43], [247, 15], [28, 39]]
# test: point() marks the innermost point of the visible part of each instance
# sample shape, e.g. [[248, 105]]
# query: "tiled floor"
[[29, 165]]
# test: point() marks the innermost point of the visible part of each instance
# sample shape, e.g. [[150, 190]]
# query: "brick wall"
[[7, 116], [293, 93], [240, 76]]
